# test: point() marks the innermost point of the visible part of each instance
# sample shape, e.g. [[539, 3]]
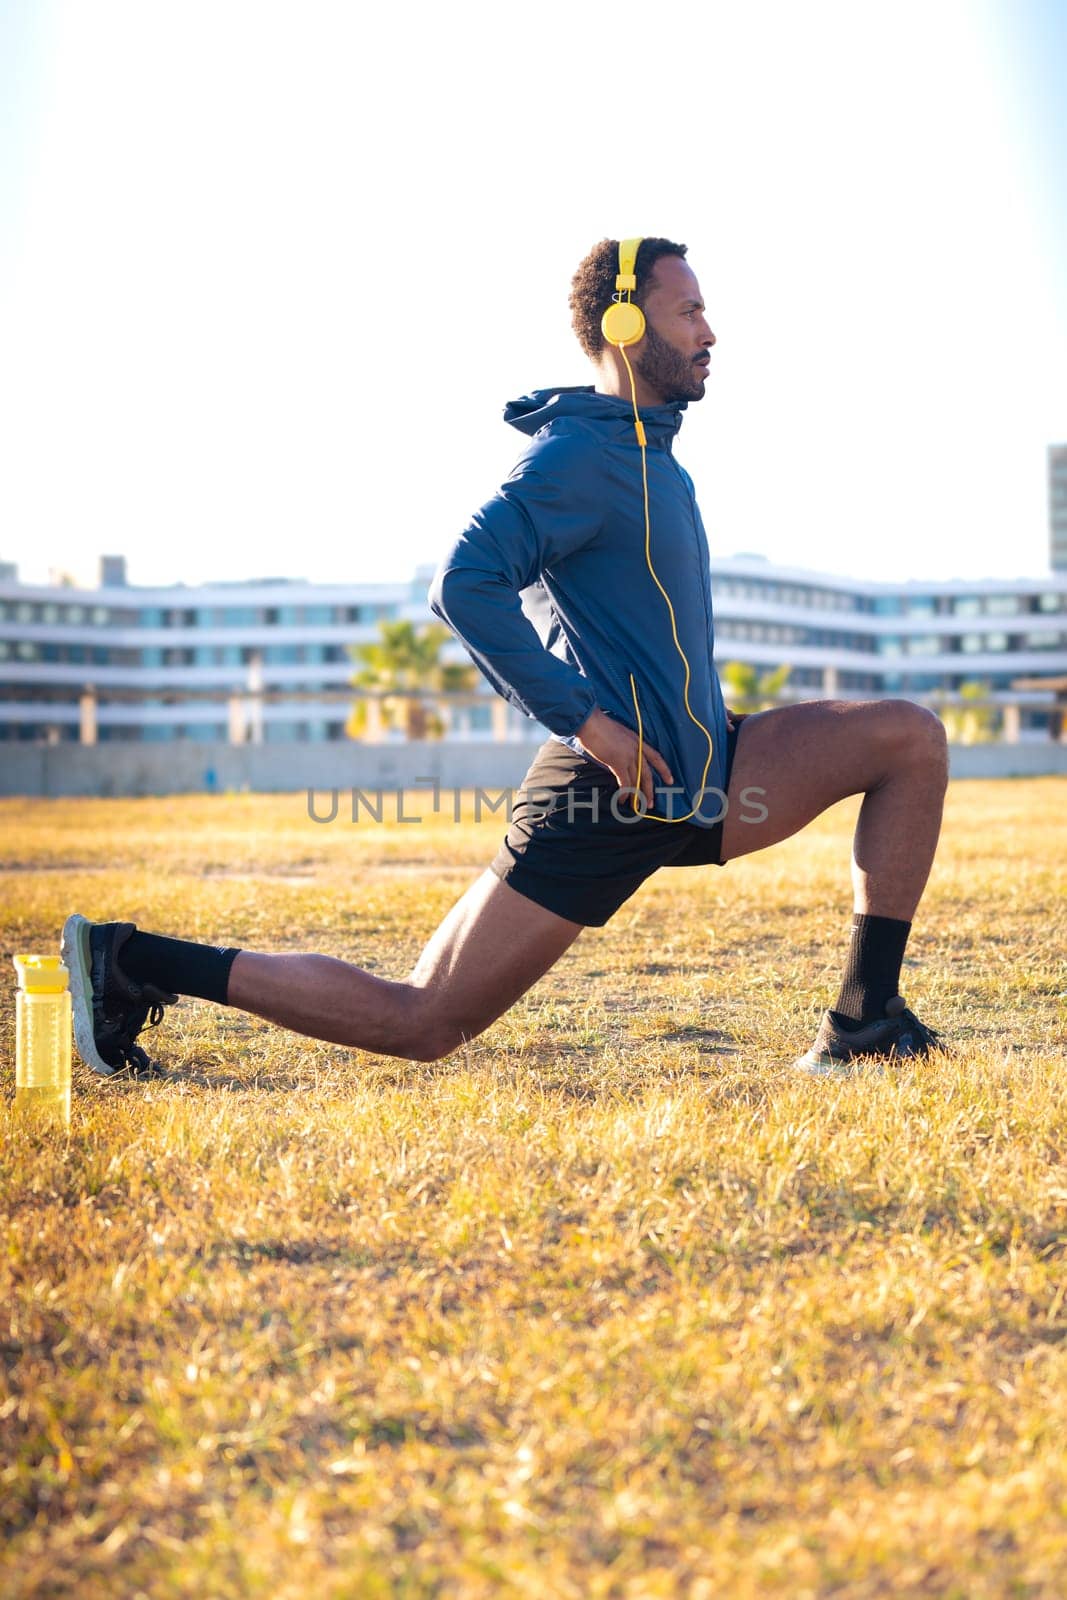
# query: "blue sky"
[[269, 272]]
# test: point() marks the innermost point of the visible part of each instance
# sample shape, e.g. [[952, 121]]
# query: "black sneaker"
[[838, 1052], [109, 1009]]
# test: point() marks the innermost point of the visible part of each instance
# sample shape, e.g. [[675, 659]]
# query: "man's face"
[[672, 358]]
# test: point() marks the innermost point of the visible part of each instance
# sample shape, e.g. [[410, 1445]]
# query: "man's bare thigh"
[[794, 762], [492, 946]]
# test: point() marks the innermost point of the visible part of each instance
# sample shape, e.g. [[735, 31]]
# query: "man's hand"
[[616, 747]]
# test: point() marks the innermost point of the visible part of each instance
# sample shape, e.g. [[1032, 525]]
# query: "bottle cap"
[[41, 974]]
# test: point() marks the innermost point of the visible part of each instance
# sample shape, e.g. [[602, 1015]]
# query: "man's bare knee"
[[911, 732], [435, 1045], [431, 1031], [926, 742]]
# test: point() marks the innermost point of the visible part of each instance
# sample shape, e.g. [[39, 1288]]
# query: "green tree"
[[747, 689], [404, 667]]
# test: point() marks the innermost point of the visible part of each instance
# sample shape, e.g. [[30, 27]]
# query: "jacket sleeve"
[[547, 509]]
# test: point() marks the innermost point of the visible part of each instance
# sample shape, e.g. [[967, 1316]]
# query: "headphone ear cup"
[[623, 323]]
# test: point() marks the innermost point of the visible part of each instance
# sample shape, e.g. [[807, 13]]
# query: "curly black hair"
[[594, 284]]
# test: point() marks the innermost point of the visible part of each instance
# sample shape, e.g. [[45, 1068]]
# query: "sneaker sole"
[[74, 949], [825, 1066]]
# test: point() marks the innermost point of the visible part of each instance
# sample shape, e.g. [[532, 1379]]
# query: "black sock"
[[872, 973], [178, 966]]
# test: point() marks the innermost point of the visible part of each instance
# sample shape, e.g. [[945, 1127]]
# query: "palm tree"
[[406, 660], [973, 720], [747, 689]]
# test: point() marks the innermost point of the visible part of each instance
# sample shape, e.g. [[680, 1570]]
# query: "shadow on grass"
[[709, 1041], [375, 1070], [123, 1083], [294, 1252]]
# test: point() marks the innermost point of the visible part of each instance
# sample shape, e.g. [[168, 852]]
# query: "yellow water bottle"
[[42, 1040]]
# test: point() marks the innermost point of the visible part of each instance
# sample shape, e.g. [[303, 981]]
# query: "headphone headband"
[[627, 278]]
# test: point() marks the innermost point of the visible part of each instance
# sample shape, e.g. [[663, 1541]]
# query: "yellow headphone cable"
[[631, 331]]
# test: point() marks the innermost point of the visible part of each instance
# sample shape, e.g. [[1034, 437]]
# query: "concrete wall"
[[190, 768], [1036, 760], [186, 767]]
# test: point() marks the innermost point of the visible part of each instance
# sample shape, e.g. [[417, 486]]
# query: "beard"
[[665, 369]]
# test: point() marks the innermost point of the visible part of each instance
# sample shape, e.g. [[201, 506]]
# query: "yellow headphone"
[[623, 323]]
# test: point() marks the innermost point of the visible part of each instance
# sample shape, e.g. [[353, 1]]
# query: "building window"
[[1043, 641], [1002, 605]]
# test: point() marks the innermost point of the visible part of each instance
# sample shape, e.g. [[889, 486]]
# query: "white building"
[[269, 659]]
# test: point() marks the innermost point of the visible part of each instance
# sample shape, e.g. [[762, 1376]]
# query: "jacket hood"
[[531, 412]]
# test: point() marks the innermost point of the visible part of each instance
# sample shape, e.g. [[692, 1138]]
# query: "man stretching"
[[646, 768]]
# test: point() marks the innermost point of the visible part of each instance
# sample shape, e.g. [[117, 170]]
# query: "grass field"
[[608, 1303]]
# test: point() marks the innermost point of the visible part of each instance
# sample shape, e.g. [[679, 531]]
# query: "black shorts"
[[572, 851]]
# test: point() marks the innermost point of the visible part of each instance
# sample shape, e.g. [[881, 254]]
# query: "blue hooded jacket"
[[550, 591]]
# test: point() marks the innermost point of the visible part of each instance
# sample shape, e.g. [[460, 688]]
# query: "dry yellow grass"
[[608, 1304]]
